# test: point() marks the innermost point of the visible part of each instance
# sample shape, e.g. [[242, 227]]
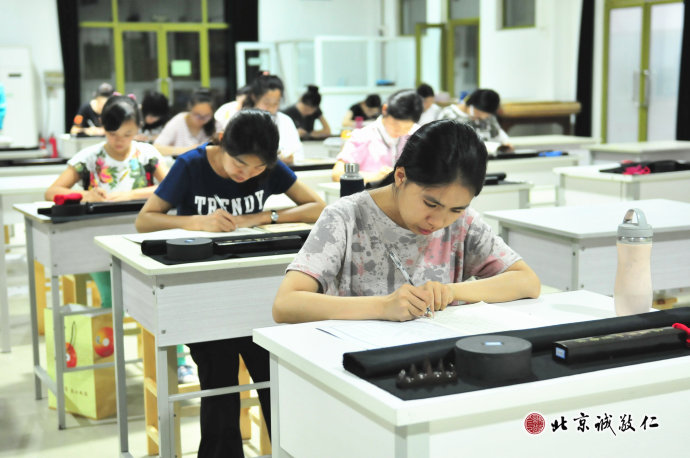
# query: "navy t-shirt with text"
[[191, 184]]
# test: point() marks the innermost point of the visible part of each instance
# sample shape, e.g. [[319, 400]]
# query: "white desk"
[[536, 170], [13, 190], [64, 248], [53, 170], [552, 142], [495, 197], [69, 145], [641, 151], [574, 247], [185, 303], [587, 185], [319, 409]]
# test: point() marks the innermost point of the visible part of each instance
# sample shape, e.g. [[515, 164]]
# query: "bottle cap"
[[351, 168], [639, 229]]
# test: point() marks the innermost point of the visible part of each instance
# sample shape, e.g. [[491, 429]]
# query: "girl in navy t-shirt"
[[243, 171]]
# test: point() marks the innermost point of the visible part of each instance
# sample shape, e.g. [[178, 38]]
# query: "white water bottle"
[[632, 291]]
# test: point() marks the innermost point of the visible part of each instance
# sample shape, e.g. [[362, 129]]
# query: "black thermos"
[[351, 181]]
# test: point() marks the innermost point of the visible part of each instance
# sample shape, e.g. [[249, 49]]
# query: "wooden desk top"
[[537, 109]]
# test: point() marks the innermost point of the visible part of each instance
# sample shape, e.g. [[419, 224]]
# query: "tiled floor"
[[28, 427]]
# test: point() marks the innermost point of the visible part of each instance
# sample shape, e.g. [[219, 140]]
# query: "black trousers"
[[218, 364]]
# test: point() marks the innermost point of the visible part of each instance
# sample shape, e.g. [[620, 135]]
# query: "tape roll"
[[189, 249], [494, 358]]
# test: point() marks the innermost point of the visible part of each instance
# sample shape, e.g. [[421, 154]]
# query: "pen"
[[219, 202], [398, 265]]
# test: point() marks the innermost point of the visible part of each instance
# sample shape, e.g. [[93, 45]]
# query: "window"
[[411, 12], [518, 13]]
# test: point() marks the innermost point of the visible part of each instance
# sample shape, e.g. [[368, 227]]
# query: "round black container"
[[351, 181], [494, 358], [191, 249]]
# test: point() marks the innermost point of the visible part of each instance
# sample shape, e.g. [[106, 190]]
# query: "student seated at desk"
[[368, 110], [305, 112], [156, 113], [376, 146], [265, 93], [479, 110], [421, 216], [118, 169], [88, 118], [189, 129], [431, 110], [218, 188], [228, 110]]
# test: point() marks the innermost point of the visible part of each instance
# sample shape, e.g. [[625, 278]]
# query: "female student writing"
[[117, 169], [189, 129], [265, 93], [88, 118], [376, 146], [421, 216], [368, 110], [479, 111], [305, 112], [242, 172]]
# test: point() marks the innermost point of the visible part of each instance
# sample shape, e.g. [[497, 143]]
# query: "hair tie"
[[116, 93], [132, 96]]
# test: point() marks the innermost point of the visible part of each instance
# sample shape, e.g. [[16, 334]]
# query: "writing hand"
[[94, 195], [441, 294], [218, 221], [406, 303]]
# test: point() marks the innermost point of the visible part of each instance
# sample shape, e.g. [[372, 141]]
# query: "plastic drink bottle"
[[351, 181], [632, 291]]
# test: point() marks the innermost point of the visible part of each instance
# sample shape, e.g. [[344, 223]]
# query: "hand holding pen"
[[219, 221], [398, 265], [438, 295]]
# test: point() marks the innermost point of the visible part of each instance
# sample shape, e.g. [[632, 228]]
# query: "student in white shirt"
[[265, 93], [431, 110], [189, 129]]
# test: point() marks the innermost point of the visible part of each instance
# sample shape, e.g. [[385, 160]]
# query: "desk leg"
[[4, 298], [59, 338], [32, 306], [277, 450], [166, 379], [118, 342], [412, 441]]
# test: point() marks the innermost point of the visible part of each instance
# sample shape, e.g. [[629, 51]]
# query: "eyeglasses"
[[201, 117]]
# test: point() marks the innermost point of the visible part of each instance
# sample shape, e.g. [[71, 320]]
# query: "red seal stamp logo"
[[534, 423]]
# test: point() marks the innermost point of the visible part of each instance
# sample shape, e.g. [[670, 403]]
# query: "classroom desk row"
[[159, 297]]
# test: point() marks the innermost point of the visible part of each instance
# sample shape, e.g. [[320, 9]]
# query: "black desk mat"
[[93, 210], [381, 366]]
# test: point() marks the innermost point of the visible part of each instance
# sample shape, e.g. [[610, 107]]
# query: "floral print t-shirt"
[[347, 250], [113, 175]]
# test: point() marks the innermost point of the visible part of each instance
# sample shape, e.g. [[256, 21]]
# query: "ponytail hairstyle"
[[311, 98], [405, 105], [252, 131], [117, 110], [204, 95], [444, 152], [263, 83]]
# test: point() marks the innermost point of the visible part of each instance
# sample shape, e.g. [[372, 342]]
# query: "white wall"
[[303, 19], [34, 24], [533, 63]]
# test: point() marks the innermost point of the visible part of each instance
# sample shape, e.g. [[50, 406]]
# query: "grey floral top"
[[347, 250]]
